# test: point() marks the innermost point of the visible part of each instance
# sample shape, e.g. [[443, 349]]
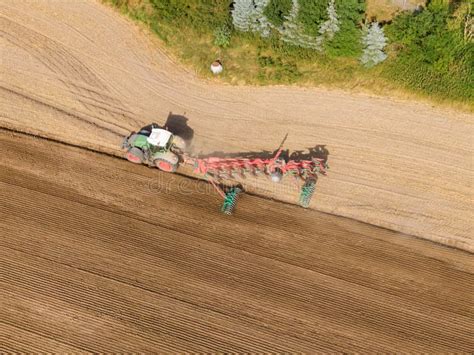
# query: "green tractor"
[[155, 146]]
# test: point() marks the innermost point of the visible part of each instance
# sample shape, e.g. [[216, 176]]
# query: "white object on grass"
[[216, 67]]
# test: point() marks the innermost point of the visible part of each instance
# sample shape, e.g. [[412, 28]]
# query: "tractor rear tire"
[[167, 162], [135, 155]]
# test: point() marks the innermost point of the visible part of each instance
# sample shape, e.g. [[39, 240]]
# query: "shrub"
[[429, 55], [277, 10], [222, 36], [202, 15], [312, 14], [345, 43]]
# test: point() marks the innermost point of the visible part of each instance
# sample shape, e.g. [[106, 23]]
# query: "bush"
[[202, 15], [351, 10], [429, 55], [277, 10], [222, 36], [346, 42], [312, 14]]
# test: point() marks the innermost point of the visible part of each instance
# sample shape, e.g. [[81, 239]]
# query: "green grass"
[[250, 60]]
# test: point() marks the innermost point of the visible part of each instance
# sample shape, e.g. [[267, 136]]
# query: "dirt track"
[[95, 258], [78, 72]]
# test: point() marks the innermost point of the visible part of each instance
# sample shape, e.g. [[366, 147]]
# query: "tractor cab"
[[160, 138], [155, 140]]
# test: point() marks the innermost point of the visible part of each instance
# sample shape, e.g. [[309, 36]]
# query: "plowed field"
[[100, 255]]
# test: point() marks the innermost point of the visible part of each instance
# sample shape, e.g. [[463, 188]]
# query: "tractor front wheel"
[[135, 155]]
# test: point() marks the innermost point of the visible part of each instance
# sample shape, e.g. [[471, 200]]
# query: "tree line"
[[430, 48]]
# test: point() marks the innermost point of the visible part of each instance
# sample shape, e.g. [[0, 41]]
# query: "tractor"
[[155, 146]]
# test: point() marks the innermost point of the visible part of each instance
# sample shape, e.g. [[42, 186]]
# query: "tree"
[[260, 23], [331, 26], [243, 15], [374, 42], [292, 33]]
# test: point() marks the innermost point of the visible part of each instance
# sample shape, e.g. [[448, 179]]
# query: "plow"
[[158, 147]]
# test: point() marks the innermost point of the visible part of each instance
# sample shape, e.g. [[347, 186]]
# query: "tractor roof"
[[159, 137]]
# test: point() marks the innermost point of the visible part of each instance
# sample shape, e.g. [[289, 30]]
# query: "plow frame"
[[229, 166], [215, 170]]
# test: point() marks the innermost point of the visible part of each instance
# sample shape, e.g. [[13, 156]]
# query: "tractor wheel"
[[179, 143], [167, 162], [307, 192], [135, 155]]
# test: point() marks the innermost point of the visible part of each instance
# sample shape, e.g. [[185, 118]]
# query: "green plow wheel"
[[230, 200], [307, 192]]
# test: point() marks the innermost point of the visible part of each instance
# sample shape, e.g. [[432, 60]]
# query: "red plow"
[[216, 170]]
